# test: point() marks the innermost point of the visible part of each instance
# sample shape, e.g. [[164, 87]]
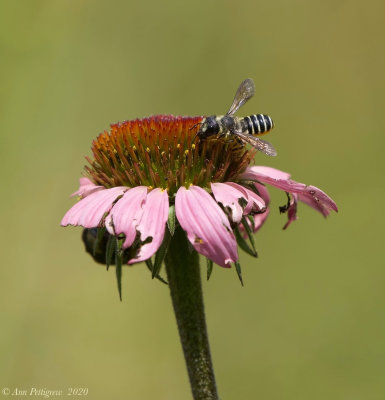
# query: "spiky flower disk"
[[159, 152]]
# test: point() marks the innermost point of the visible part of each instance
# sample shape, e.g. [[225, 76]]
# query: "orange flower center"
[[160, 151]]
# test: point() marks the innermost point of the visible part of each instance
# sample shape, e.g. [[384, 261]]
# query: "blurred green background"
[[310, 321]]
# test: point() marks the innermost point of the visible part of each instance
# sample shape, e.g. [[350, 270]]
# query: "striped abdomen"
[[258, 124]]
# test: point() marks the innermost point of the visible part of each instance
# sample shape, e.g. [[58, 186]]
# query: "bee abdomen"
[[258, 124]]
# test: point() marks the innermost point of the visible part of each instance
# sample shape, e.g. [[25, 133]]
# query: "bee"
[[244, 129]]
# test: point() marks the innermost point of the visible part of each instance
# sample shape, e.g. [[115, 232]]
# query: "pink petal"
[[152, 224], [263, 192], [86, 187], [254, 202], [259, 220], [292, 211], [259, 172], [229, 197], [207, 226], [310, 195], [318, 200], [126, 214], [229, 193], [89, 211]]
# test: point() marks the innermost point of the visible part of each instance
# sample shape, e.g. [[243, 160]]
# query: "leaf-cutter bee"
[[244, 129]]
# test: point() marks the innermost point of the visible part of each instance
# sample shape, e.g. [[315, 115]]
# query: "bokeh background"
[[310, 321]]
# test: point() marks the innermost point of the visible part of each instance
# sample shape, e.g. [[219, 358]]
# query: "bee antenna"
[[194, 138], [194, 126], [199, 123]]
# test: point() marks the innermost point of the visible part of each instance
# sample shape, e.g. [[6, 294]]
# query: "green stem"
[[184, 280]]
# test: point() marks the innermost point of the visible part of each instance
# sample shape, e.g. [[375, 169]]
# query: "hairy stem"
[[184, 280]]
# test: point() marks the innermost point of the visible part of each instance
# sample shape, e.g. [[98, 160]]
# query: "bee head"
[[209, 126]]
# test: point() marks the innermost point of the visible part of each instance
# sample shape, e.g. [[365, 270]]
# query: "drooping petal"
[[259, 172], [292, 210], [207, 226], [86, 187], [229, 193], [310, 195], [318, 200], [259, 220], [153, 224], [229, 197], [254, 202], [126, 214], [263, 192], [89, 211]]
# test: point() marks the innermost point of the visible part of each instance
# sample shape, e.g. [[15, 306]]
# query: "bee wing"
[[257, 143], [245, 92]]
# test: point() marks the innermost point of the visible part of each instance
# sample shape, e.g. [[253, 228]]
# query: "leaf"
[[209, 264], [150, 266], [118, 264], [161, 253], [171, 219], [110, 250], [249, 233], [253, 188], [239, 272], [243, 244]]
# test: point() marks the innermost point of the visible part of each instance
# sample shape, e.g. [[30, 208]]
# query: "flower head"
[[148, 173]]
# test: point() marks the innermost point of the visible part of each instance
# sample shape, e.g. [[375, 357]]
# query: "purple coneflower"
[[149, 190], [142, 167]]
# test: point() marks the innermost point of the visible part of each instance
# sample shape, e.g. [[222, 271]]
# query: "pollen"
[[158, 152]]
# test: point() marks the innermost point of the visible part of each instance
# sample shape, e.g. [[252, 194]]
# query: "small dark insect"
[[244, 129]]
